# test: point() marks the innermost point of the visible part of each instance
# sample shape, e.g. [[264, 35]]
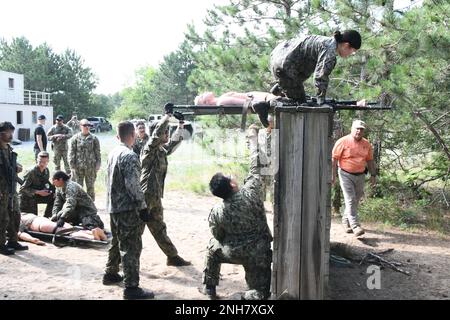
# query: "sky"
[[114, 37]]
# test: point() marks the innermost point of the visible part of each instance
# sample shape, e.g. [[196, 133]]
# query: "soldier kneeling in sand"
[[73, 204]]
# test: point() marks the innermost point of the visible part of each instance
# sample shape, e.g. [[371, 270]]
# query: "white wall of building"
[[11, 95], [8, 112]]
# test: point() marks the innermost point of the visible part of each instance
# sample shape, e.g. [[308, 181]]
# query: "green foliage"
[[64, 75]]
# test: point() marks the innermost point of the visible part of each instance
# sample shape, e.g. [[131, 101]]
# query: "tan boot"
[[358, 231]]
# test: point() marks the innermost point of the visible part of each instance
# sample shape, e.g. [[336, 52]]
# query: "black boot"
[[112, 278], [262, 109], [209, 290], [6, 250], [177, 261], [136, 293], [16, 246]]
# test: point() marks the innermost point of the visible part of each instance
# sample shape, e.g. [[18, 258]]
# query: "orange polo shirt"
[[352, 155]]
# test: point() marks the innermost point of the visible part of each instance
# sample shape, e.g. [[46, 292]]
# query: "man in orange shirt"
[[352, 153]]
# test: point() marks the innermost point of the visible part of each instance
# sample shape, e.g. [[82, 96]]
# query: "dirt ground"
[[50, 272]]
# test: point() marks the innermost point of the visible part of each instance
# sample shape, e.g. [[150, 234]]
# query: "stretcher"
[[64, 238]]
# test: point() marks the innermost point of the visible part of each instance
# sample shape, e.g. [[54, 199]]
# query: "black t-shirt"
[[40, 131]]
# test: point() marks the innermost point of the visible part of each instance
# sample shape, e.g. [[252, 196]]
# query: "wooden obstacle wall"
[[302, 208]]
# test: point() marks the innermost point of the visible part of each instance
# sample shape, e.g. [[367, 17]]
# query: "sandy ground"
[[49, 272]]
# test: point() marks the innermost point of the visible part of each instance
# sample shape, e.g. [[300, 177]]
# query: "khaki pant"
[[353, 189]]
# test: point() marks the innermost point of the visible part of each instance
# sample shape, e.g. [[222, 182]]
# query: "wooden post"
[[302, 208]]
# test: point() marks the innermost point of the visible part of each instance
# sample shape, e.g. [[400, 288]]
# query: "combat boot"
[[111, 278], [209, 290], [262, 109], [346, 226], [136, 293], [6, 250], [177, 261], [358, 231], [16, 246]]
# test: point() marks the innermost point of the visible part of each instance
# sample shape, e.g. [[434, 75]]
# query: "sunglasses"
[[85, 125]]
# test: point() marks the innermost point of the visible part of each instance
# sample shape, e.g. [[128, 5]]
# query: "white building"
[[22, 107]]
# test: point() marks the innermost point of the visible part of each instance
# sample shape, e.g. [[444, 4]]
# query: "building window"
[[34, 116], [11, 83], [19, 117]]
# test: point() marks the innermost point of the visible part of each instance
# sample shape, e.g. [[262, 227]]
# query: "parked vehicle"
[[99, 124]]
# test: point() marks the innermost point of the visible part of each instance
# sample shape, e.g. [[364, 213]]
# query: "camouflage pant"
[[126, 246], [255, 257], [58, 155], [158, 228], [30, 204], [88, 222], [9, 219], [87, 175], [289, 79]]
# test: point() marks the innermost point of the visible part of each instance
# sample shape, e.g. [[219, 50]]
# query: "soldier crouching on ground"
[[36, 187], [9, 206], [84, 157], [154, 170], [126, 205], [73, 205], [240, 231]]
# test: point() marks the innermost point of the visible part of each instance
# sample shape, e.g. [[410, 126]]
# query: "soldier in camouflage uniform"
[[240, 231], [74, 124], [36, 187], [9, 206], [84, 157], [128, 211], [141, 138], [154, 170], [73, 205], [293, 61], [58, 135]]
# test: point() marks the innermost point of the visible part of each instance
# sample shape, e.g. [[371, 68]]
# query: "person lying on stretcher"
[[31, 222], [259, 101]]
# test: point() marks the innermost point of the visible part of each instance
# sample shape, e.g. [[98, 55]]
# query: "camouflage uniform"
[[154, 170], [9, 204], [84, 157], [241, 235], [74, 124], [140, 143], [293, 61], [33, 181], [59, 146], [124, 200], [76, 207]]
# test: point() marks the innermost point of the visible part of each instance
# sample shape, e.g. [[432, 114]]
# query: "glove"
[[60, 223], [168, 108], [54, 218], [178, 115], [145, 215]]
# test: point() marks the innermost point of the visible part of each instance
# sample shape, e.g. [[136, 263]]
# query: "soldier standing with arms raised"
[[128, 212], [58, 135], [9, 206], [154, 170], [85, 158]]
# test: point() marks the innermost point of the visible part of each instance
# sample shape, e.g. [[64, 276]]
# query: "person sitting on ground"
[[31, 222], [73, 204], [240, 231], [36, 187]]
